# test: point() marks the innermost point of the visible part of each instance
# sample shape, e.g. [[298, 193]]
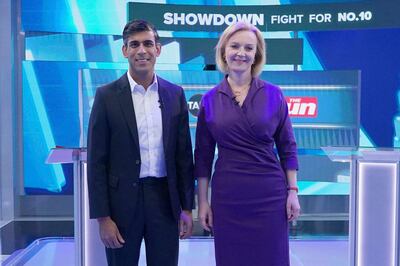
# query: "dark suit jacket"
[[114, 156]]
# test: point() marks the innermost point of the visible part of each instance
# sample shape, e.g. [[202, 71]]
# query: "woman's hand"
[[292, 206], [205, 216]]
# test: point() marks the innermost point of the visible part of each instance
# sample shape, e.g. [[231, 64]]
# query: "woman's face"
[[240, 51]]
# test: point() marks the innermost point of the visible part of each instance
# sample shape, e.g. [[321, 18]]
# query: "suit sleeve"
[[284, 138], [97, 160], [184, 158]]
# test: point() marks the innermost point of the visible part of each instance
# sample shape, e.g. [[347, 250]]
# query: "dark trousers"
[[155, 223]]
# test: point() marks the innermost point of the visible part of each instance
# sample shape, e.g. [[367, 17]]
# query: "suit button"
[[137, 162], [134, 184]]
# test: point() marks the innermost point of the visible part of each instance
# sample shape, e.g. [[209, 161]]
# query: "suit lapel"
[[125, 100], [165, 110]]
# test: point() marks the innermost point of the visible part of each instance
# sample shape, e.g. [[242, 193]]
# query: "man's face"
[[141, 51]]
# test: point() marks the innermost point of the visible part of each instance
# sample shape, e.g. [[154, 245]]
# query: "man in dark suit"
[[140, 168]]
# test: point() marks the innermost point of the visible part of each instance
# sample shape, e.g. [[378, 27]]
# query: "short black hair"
[[138, 25]]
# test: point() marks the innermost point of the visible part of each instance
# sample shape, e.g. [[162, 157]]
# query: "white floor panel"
[[193, 252], [3, 257]]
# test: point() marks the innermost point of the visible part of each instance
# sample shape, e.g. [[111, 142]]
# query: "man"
[[140, 168]]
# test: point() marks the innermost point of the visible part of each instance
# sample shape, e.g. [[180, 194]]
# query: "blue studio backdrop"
[[69, 43]]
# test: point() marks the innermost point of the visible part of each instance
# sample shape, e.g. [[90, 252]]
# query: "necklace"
[[240, 92]]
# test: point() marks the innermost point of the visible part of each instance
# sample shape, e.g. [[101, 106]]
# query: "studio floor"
[[52, 244], [193, 252]]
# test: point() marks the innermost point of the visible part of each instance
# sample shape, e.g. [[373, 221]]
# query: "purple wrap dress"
[[249, 187]]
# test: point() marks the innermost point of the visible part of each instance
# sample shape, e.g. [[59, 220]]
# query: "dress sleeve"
[[284, 138], [205, 146]]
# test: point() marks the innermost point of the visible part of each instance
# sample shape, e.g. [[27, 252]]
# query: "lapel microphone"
[[235, 101]]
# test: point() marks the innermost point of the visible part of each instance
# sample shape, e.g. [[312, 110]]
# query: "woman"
[[254, 194]]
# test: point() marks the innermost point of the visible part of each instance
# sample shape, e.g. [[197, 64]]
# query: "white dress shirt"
[[149, 124]]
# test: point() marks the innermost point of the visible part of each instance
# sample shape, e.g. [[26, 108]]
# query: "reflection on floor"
[[3, 258], [17, 235], [193, 252]]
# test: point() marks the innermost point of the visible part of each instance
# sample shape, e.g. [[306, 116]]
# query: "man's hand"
[[109, 233], [185, 225]]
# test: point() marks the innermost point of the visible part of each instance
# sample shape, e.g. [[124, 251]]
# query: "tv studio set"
[[200, 133]]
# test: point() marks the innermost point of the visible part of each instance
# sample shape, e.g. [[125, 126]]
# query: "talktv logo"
[[302, 106], [192, 19], [194, 104]]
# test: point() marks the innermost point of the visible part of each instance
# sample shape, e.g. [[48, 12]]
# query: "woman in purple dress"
[[254, 194]]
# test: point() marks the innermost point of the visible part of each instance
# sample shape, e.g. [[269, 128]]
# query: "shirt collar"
[[135, 86]]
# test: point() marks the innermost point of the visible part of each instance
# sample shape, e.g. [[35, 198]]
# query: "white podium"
[[374, 204], [89, 250]]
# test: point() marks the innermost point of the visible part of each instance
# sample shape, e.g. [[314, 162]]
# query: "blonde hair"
[[260, 57]]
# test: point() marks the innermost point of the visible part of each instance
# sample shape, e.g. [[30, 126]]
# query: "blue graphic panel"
[[77, 16], [336, 93], [51, 93], [336, 125], [50, 114]]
